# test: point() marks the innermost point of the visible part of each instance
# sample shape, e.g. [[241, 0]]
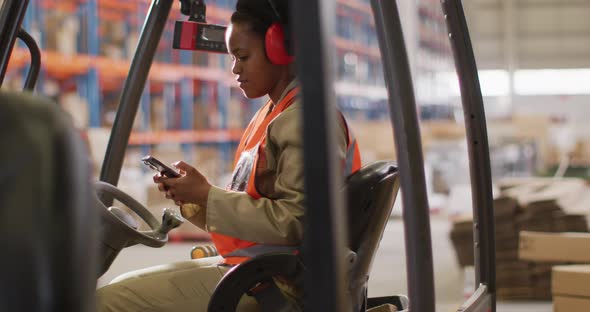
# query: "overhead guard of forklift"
[[370, 194]]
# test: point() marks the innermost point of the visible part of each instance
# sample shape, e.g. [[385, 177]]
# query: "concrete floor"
[[388, 275]]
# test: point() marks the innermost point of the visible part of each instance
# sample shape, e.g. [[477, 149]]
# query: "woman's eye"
[[238, 58]]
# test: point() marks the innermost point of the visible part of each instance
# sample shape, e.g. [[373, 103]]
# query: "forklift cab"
[[343, 255]]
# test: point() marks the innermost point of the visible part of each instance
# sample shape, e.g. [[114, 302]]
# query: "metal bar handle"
[[33, 74], [408, 145], [477, 142]]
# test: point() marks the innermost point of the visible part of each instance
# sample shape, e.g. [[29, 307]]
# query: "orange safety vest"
[[235, 250]]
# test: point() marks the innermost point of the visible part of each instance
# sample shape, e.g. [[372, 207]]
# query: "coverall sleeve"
[[277, 220]]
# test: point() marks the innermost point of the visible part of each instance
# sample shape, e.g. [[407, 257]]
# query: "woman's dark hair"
[[260, 14]]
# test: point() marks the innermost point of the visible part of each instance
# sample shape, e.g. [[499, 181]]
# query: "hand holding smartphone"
[[157, 165]]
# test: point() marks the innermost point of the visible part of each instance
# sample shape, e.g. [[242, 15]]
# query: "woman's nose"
[[236, 68]]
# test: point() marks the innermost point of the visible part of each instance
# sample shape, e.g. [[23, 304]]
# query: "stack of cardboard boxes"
[[571, 288], [570, 284], [519, 278]]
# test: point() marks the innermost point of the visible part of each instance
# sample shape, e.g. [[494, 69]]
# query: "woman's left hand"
[[191, 187]]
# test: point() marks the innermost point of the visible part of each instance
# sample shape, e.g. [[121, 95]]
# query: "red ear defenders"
[[274, 43]]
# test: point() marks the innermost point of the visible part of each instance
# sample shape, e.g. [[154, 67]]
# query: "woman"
[[262, 209]]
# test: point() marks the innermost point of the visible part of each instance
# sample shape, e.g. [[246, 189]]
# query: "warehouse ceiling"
[[530, 34]]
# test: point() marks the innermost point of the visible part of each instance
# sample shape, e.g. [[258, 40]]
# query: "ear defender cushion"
[[275, 45]]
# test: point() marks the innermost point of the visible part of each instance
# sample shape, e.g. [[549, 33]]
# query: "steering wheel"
[[120, 229]]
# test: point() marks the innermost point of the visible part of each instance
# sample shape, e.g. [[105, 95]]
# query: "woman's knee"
[[107, 298]]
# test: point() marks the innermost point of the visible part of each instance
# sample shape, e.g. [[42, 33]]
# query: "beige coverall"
[[275, 218]]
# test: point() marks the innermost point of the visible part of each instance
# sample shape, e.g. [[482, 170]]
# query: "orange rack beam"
[[116, 9], [63, 66], [185, 136], [17, 61]]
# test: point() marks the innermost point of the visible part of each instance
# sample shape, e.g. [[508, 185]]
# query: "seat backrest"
[[371, 193], [48, 224]]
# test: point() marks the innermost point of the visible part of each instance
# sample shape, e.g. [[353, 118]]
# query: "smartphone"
[[157, 165]]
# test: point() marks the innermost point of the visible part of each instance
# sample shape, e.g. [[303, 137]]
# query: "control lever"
[[170, 220]]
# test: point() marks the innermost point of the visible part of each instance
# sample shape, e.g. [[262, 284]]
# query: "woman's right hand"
[[160, 180], [191, 187]]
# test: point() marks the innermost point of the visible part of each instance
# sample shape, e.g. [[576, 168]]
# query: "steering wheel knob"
[[170, 220]]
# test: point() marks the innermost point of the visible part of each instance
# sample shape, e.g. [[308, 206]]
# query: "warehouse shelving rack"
[[97, 76], [182, 78]]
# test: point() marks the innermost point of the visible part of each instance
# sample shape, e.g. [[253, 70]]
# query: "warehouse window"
[[528, 82], [493, 82], [552, 82]]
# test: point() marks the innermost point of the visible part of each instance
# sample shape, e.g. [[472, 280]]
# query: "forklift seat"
[[370, 194], [47, 219]]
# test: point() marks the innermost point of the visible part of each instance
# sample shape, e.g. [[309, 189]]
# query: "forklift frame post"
[[404, 117], [484, 298], [133, 89], [325, 233], [12, 14]]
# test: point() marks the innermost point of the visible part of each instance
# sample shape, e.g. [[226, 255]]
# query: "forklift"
[[60, 233]]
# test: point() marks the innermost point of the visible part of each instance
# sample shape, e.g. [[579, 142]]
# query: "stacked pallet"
[[518, 279]]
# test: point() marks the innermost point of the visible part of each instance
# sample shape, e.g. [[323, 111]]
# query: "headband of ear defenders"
[[277, 35]]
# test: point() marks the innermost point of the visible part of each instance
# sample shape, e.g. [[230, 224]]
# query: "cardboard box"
[[571, 280], [571, 288], [570, 304], [374, 146], [554, 247]]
